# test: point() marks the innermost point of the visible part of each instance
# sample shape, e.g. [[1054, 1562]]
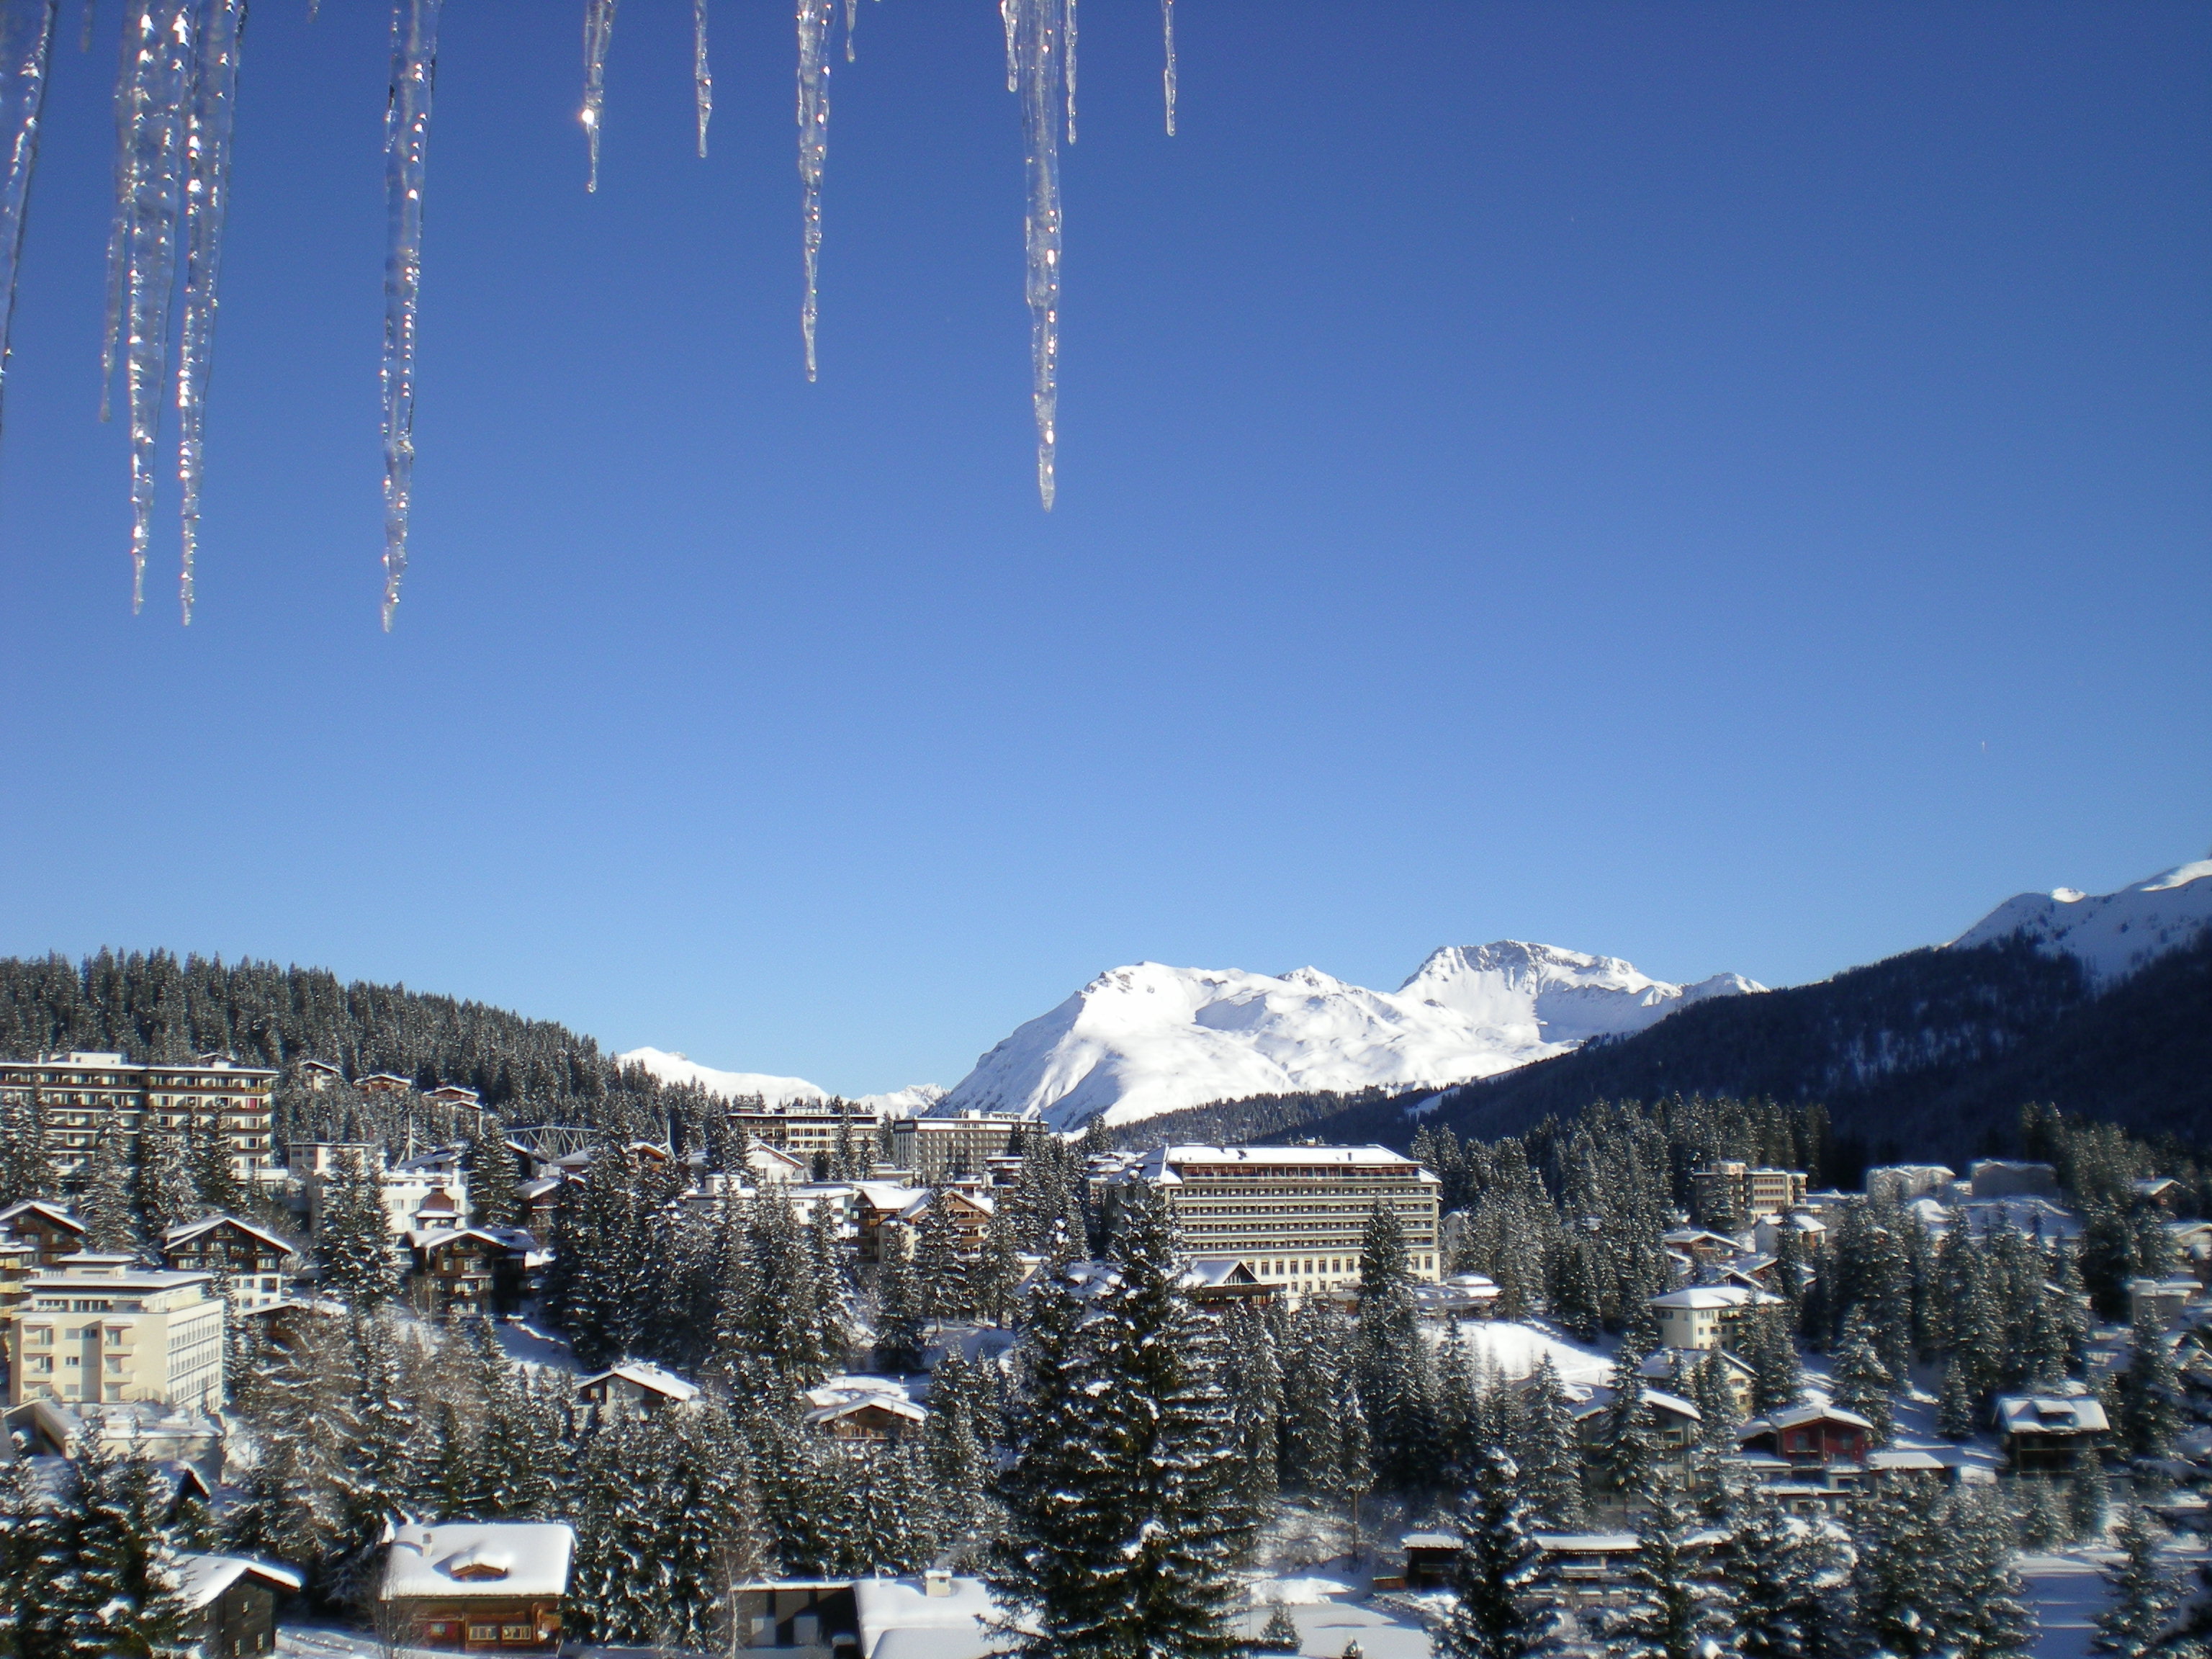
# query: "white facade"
[[103, 1328]]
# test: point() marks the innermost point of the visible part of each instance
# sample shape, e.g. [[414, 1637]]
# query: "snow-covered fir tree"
[[1396, 1385], [1496, 1611], [2142, 1589], [1123, 1525], [1862, 1381], [103, 1197], [162, 1187], [25, 1171], [122, 1591], [1787, 1578], [353, 1243], [1547, 1451], [1673, 1606], [2148, 1394]]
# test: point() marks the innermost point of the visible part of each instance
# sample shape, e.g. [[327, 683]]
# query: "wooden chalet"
[[477, 1586], [2051, 1434], [1221, 1281], [230, 1604], [465, 1271], [49, 1229], [1825, 1440], [630, 1389], [866, 1412], [252, 1262]]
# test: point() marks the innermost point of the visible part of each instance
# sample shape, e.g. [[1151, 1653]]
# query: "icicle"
[[118, 226], [1167, 75], [1071, 70], [27, 36], [703, 83], [84, 26], [1038, 30], [406, 132], [207, 199], [599, 35], [852, 22], [816, 18], [161, 78], [1006, 13]]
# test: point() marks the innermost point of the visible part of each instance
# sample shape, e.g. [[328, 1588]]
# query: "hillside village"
[[809, 1379]]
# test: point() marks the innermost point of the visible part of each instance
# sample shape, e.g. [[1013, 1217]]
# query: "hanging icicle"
[[851, 23], [207, 200], [1037, 32], [703, 82], [599, 35], [1071, 70], [406, 132], [27, 38], [1167, 75], [150, 105], [815, 19]]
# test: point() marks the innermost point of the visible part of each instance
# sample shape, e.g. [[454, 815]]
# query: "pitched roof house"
[[478, 1586]]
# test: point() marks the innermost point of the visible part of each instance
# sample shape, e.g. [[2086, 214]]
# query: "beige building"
[[105, 1328], [1737, 1194], [74, 1095], [1709, 1316], [1296, 1214], [936, 1149], [804, 1131]]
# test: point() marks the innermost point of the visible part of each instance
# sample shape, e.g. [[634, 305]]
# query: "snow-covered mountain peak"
[[2112, 935], [774, 1092], [1148, 1038]]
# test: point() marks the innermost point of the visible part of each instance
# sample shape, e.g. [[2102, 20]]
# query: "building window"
[[517, 1634], [483, 1632]]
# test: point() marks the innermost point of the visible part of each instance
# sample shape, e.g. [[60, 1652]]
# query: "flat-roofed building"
[[937, 1149], [79, 1096], [1295, 1213], [1729, 1194], [803, 1131], [102, 1327]]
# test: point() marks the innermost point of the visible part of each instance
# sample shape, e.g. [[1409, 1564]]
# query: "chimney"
[[937, 1581]]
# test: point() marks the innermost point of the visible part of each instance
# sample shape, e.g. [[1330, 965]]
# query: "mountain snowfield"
[[1148, 1038], [2112, 934], [774, 1091]]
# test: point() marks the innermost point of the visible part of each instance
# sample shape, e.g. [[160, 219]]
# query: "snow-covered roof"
[[892, 1195], [203, 1578], [45, 1212], [1921, 1462], [1164, 1164], [1798, 1416], [478, 1558], [899, 1619], [184, 1231], [1431, 1541], [1204, 1272], [1716, 1295], [1587, 1543], [2044, 1413], [841, 1396], [646, 1376]]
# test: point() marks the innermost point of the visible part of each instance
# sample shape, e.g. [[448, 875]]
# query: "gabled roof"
[[650, 1377], [1796, 1417], [1716, 1295], [1204, 1272], [49, 1213], [184, 1231], [2044, 1413], [205, 1577]]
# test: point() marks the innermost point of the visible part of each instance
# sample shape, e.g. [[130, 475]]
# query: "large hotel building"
[[1294, 1214], [74, 1095]]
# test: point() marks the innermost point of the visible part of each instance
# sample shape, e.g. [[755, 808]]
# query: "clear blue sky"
[[1724, 485]]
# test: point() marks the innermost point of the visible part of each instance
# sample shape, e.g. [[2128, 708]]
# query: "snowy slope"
[[773, 1090], [2113, 933], [1148, 1038]]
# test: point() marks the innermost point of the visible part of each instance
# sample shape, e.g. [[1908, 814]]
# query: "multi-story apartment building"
[[803, 1131], [1295, 1213], [104, 1328], [936, 1149], [1734, 1194], [76, 1095]]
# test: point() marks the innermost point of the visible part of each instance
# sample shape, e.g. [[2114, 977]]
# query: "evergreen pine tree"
[[1777, 1380], [1985, 1616], [945, 1291], [104, 1199], [2142, 1589], [353, 1239], [2041, 1518], [35, 1557], [25, 1171], [493, 1177], [1627, 1451], [2148, 1394], [1280, 1633], [901, 1325], [1957, 1417], [1254, 1383], [123, 1599], [1896, 1586], [1863, 1382], [162, 1188], [1495, 1611], [1546, 1453], [1783, 1577], [2087, 1497], [208, 1160], [1396, 1384], [958, 1462], [998, 1274], [1672, 1610], [377, 1478]]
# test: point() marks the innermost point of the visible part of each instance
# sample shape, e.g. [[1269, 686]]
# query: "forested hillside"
[[154, 1007]]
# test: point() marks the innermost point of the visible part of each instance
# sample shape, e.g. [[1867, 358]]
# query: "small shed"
[[1429, 1557]]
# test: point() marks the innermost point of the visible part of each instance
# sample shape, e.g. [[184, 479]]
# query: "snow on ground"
[[1513, 1349], [1328, 1616], [2066, 1593], [525, 1345]]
